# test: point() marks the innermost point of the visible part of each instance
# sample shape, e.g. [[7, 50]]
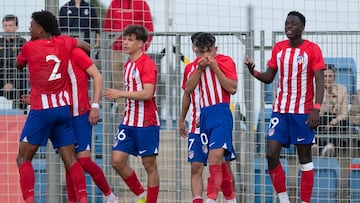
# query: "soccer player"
[[197, 143], [47, 56], [138, 132], [294, 115], [84, 116], [216, 78]]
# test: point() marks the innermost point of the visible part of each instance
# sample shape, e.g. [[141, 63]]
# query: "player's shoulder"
[[282, 43]]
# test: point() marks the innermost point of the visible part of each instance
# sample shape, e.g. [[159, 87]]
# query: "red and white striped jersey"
[[79, 63], [48, 65], [211, 90], [296, 67], [140, 113], [194, 98]]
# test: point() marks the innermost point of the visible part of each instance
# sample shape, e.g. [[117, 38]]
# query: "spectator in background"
[[333, 113], [13, 82], [334, 109], [78, 16], [355, 110], [121, 14]]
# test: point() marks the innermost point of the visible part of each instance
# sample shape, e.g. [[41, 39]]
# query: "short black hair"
[[137, 30], [194, 36], [204, 40], [48, 22], [10, 17], [299, 15]]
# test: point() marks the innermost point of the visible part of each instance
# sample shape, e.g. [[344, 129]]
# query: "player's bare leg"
[[150, 165], [197, 185], [119, 163]]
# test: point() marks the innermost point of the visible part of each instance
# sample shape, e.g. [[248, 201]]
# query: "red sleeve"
[[228, 67], [186, 75], [149, 72], [317, 60], [81, 59], [272, 63]]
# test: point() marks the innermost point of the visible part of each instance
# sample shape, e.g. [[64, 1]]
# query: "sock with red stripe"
[[227, 184], [214, 181], [307, 181], [70, 187], [96, 173], [27, 181], [277, 176], [152, 194], [78, 179], [134, 184]]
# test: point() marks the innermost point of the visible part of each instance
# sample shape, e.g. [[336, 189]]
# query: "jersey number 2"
[[54, 74]]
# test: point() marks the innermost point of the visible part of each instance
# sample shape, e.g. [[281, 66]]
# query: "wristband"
[[317, 106], [255, 73], [95, 105]]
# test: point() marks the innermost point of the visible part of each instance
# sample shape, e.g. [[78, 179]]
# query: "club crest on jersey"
[[133, 73], [300, 59], [191, 154], [271, 131]]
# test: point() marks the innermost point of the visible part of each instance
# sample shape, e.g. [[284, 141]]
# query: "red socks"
[[78, 179], [27, 181], [306, 185], [152, 194], [197, 200], [278, 178], [70, 187], [96, 173], [133, 183], [227, 185], [214, 181]]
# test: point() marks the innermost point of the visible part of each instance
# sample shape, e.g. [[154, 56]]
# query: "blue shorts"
[[138, 141], [216, 122], [83, 132], [198, 149], [290, 129], [53, 123]]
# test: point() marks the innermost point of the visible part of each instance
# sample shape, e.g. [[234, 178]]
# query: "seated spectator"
[[334, 109], [78, 17], [13, 82], [355, 110]]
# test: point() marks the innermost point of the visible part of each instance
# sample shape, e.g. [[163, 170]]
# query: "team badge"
[[205, 149], [300, 59], [115, 142], [271, 131], [191, 154]]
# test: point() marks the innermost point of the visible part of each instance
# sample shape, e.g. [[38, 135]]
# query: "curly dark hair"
[[47, 21], [137, 30], [204, 41]]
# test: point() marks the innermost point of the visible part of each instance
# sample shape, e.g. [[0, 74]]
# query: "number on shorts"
[[191, 142], [204, 139], [121, 135], [54, 74], [273, 122]]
